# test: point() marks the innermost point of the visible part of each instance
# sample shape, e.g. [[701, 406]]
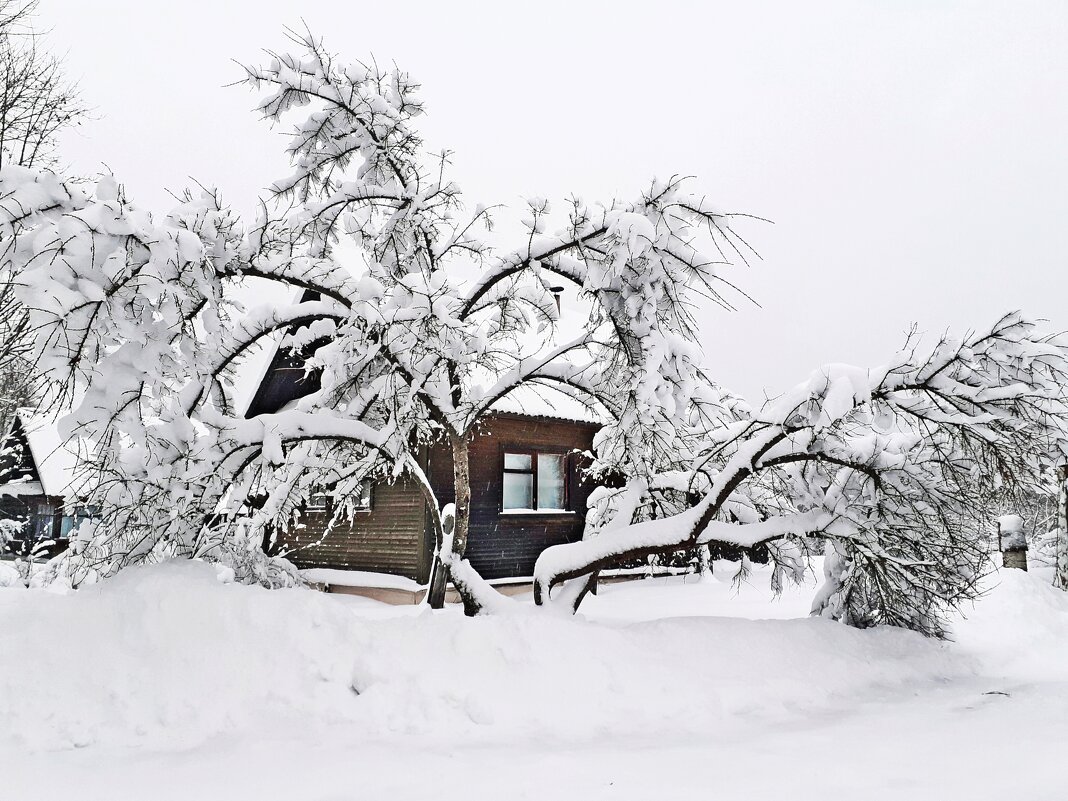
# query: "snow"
[[1011, 524], [21, 487], [55, 462], [1011, 531], [169, 683], [548, 402], [359, 578]]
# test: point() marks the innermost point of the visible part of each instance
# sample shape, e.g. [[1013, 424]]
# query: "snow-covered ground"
[[167, 684]]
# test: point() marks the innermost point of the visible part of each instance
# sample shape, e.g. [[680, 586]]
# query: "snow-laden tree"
[[890, 470], [415, 327]]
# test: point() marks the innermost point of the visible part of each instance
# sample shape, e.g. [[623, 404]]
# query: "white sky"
[[913, 155]]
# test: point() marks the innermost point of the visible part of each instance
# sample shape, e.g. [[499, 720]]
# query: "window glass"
[[318, 502], [363, 495], [69, 522], [518, 490], [517, 461], [550, 481]]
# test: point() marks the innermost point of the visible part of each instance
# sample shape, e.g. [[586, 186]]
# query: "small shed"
[[37, 483]]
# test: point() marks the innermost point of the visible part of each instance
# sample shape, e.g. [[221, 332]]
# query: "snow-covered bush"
[[1042, 550], [10, 530]]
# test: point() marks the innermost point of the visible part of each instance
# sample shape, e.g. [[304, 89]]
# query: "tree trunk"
[[461, 477], [704, 562], [1061, 577], [438, 579]]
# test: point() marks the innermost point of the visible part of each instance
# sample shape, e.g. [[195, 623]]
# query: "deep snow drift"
[[168, 683]]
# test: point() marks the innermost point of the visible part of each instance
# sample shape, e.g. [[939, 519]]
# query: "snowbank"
[[170, 684], [536, 676], [1019, 627], [169, 657], [9, 576]]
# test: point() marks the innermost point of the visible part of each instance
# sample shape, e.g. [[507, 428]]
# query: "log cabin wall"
[[503, 544], [387, 539]]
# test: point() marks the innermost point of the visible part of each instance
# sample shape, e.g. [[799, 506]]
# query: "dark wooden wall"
[[505, 545], [43, 515], [387, 539], [394, 536]]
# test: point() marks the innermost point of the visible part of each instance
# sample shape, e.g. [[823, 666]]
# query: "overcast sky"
[[913, 155]]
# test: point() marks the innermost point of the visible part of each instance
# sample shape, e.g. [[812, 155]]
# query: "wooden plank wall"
[[505, 545], [394, 538], [387, 539]]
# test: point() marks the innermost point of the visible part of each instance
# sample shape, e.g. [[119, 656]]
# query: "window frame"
[[532, 452], [327, 507]]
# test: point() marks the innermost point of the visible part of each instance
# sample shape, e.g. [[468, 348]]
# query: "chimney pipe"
[[556, 290]]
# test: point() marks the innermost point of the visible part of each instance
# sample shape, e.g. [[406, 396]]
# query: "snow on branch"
[[890, 467], [412, 326]]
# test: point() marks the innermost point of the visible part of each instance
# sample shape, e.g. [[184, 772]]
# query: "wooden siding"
[[387, 539], [502, 545]]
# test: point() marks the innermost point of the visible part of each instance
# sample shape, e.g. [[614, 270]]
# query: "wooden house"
[[526, 490], [36, 485]]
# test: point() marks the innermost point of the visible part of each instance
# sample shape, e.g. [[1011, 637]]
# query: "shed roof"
[[53, 462]]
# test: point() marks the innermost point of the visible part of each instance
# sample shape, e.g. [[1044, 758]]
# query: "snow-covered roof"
[[250, 371], [531, 401], [54, 462], [549, 402], [20, 487]]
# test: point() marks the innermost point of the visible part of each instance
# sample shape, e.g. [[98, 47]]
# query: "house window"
[[534, 481], [323, 501], [74, 517], [362, 499], [43, 522]]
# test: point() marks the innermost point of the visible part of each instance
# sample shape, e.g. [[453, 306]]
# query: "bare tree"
[[37, 102]]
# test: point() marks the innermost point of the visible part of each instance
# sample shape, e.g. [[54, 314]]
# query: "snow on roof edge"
[[56, 464], [550, 403]]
